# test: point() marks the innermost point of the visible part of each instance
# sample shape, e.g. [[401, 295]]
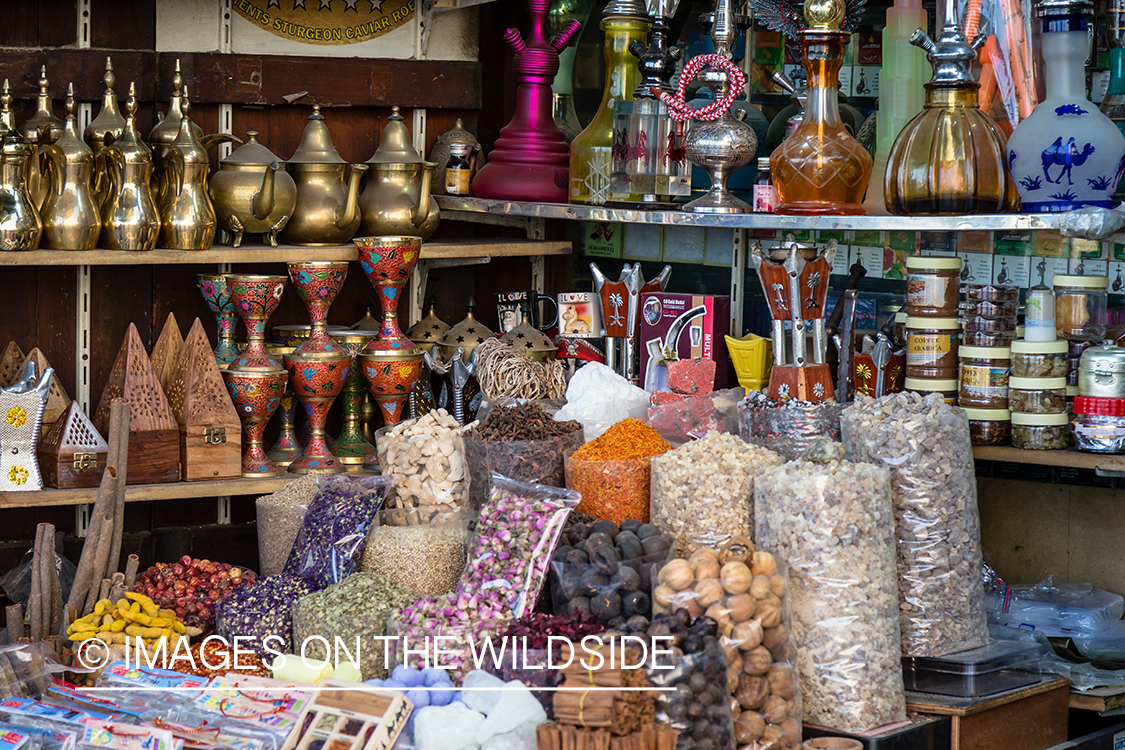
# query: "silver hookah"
[[721, 147]]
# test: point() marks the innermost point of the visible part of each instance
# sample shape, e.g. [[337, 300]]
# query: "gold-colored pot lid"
[[316, 143], [468, 334], [458, 134], [527, 339], [429, 329], [70, 143], [395, 146], [43, 119], [251, 153], [109, 122]]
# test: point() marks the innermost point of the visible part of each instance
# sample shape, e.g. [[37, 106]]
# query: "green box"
[[1119, 252], [840, 235], [868, 238], [603, 239], [907, 242], [1017, 242]]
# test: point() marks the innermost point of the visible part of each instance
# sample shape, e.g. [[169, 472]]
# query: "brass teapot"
[[327, 210], [187, 218], [130, 218], [397, 198], [102, 131], [42, 129], [20, 227], [253, 193], [166, 131], [71, 220]]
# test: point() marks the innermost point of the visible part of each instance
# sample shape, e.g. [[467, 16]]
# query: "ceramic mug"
[[509, 306], [580, 315]]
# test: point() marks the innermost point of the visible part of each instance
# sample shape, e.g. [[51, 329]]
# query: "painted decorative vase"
[[1066, 154], [293, 336], [390, 363], [351, 447], [287, 448], [255, 298], [319, 366], [214, 288], [256, 396]]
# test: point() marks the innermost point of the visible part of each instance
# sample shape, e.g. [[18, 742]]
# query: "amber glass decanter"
[[821, 168], [950, 159]]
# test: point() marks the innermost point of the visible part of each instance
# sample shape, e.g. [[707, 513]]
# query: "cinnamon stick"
[[132, 566], [103, 590], [118, 457], [35, 599], [14, 618], [84, 575], [117, 587], [55, 585], [100, 556]]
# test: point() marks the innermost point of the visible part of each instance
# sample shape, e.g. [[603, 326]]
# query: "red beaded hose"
[[678, 108]]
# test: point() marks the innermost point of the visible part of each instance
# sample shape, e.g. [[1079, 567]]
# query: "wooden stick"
[[14, 617], [132, 566], [35, 599], [103, 590], [56, 602], [118, 456], [100, 557], [44, 559], [84, 576]]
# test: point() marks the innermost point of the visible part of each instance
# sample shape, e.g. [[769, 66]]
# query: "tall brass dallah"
[[253, 193], [71, 220], [19, 220], [42, 129], [187, 218], [397, 198], [103, 130], [130, 220], [327, 210]]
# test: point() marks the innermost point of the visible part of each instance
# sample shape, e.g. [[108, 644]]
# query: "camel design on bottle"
[[1068, 156]]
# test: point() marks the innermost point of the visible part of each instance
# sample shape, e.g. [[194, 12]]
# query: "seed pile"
[[280, 516], [354, 609], [523, 422], [426, 559]]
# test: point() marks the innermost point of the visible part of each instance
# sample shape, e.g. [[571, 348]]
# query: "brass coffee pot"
[[20, 227], [253, 193], [70, 216], [130, 219], [327, 210], [166, 131], [397, 198], [42, 129], [187, 218], [103, 130]]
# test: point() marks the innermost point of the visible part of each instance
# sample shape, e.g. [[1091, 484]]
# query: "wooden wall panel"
[[123, 24], [119, 295]]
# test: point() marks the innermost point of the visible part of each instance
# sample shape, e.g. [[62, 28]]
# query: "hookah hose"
[[678, 108]]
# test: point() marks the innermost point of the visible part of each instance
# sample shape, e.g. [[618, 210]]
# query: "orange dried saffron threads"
[[629, 438]]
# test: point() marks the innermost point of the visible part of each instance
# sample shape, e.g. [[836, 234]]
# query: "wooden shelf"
[[1099, 699], [140, 492], [1099, 462], [475, 248]]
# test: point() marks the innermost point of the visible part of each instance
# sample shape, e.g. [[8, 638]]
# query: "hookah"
[[718, 142]]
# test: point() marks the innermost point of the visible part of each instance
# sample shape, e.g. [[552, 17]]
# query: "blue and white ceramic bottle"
[[1066, 154]]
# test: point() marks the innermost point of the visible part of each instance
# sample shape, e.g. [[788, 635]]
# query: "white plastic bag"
[[600, 398]]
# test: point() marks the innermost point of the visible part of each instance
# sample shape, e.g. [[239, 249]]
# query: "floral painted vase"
[[1066, 154]]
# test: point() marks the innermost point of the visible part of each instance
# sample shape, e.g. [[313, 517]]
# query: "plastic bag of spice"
[[746, 592], [679, 416], [421, 549], [261, 611], [842, 584], [355, 610], [604, 570], [328, 547], [613, 473], [786, 427], [279, 518], [425, 458], [925, 445], [521, 442]]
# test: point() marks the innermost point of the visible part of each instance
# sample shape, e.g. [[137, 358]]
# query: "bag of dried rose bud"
[[331, 540]]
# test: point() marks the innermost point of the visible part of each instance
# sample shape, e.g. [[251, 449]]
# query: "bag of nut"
[[746, 593], [426, 459], [925, 445], [830, 521]]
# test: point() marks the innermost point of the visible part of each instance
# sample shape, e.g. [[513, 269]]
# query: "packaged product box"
[[701, 335]]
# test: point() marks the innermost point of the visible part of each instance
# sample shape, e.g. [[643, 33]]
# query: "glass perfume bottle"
[[562, 90], [1113, 106], [1066, 154], [950, 159], [591, 152], [821, 168]]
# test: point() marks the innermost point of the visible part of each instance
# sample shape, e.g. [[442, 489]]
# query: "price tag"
[[1119, 741]]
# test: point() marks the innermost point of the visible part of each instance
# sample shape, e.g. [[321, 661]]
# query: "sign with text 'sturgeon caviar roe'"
[[328, 22]]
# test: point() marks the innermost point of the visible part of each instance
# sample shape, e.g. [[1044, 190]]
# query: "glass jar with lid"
[[1037, 395], [1099, 424], [1080, 306], [1040, 432], [1039, 314], [991, 293], [933, 286], [984, 377], [925, 386], [1039, 359], [989, 426], [931, 348]]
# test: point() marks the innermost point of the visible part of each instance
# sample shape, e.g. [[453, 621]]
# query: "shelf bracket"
[[738, 267], [222, 510]]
